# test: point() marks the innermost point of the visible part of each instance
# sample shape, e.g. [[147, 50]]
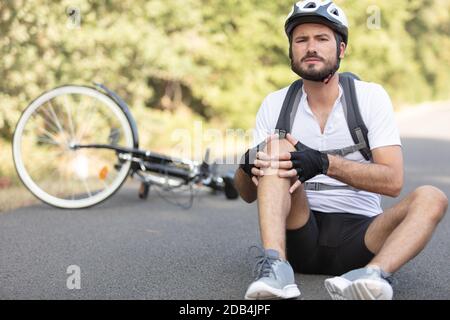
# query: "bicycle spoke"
[[87, 125], [49, 134], [44, 135], [104, 184], [74, 190], [40, 168], [69, 115], [43, 113], [57, 121], [48, 141], [82, 130], [87, 187]]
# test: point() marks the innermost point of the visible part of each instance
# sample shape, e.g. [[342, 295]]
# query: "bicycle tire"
[[56, 199]]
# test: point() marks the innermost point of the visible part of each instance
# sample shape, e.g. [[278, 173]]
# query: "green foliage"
[[177, 61], [407, 53]]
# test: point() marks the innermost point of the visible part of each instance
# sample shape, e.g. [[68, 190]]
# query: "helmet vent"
[[317, 11]]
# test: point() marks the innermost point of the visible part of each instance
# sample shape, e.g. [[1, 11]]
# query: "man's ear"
[[342, 49]]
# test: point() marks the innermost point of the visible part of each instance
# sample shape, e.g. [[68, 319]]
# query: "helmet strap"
[[338, 54]]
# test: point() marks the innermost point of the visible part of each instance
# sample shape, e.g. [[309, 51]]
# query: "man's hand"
[[305, 163], [262, 161], [255, 160]]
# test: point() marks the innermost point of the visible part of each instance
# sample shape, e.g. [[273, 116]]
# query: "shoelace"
[[263, 267]]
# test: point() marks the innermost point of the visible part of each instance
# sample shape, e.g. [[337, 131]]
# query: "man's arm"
[[384, 176], [245, 186]]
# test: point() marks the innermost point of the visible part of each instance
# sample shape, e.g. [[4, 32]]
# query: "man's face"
[[314, 51]]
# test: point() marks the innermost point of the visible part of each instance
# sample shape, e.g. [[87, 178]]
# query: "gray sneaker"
[[274, 278], [361, 284]]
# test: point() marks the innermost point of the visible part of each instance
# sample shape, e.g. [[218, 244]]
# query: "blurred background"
[[182, 62]]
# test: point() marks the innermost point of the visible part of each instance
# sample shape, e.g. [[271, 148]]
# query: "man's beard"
[[311, 72]]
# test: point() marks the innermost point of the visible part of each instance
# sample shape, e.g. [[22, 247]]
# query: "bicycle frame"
[[150, 167], [144, 160]]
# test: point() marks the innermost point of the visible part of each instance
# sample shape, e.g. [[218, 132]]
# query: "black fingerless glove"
[[308, 162], [247, 162]]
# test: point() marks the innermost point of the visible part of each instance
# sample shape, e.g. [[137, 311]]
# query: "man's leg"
[[395, 237], [278, 210], [401, 232]]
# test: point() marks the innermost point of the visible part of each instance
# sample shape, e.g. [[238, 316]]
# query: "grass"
[[16, 197]]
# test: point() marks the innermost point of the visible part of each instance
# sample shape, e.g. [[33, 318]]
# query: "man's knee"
[[274, 148], [434, 198], [277, 146]]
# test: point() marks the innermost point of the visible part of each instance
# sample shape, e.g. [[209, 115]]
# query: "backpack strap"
[[318, 186], [355, 123], [289, 108]]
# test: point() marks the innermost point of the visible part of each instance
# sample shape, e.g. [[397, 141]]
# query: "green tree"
[[176, 61]]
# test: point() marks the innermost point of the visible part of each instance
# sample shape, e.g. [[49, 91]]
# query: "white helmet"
[[318, 11]]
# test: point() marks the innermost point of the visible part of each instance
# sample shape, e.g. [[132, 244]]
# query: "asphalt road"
[[127, 248]]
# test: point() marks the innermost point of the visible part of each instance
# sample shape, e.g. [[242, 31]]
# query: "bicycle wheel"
[[43, 152]]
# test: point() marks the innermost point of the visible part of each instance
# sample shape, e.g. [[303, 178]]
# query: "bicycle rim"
[[54, 172]]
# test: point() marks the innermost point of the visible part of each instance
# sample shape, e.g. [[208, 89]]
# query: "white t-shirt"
[[378, 115]]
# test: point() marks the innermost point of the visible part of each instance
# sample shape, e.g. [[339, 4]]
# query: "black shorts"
[[329, 243]]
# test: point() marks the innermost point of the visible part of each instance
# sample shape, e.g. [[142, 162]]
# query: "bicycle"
[[74, 147]]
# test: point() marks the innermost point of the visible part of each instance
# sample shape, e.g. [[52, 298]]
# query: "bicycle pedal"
[[144, 190]]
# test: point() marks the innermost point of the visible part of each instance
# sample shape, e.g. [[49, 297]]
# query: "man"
[[340, 228]]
